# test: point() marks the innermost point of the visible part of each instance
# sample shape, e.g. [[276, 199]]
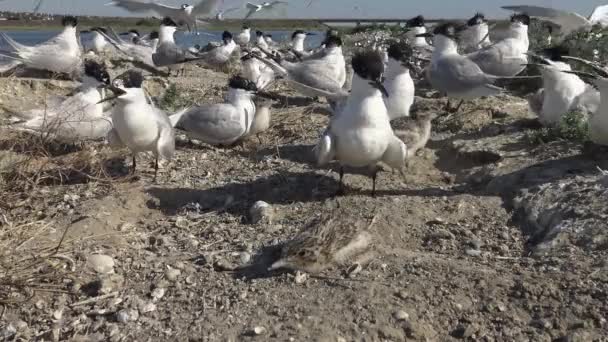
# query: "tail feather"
[[175, 118], [11, 42]]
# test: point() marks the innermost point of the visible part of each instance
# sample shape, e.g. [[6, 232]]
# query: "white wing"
[[252, 9], [145, 6], [568, 21], [206, 7], [600, 16]]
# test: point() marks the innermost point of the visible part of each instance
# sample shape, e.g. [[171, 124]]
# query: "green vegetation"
[[573, 126]]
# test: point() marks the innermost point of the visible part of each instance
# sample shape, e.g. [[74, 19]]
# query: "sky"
[[329, 8]]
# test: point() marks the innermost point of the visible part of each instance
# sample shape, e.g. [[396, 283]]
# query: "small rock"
[[122, 316], [57, 314], [353, 270], [259, 330], [110, 283], [100, 263], [157, 294], [261, 212], [473, 252], [402, 294], [245, 258], [126, 227], [435, 221], [172, 274], [475, 243], [190, 280], [182, 223], [223, 265], [8, 331], [301, 277], [401, 315], [147, 307]]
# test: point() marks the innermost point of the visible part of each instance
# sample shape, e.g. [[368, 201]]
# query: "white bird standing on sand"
[[454, 74], [508, 56], [398, 81], [138, 125], [97, 43], [221, 54], [223, 123], [598, 121], [260, 41], [567, 21], [415, 28], [60, 54], [266, 6], [134, 52], [361, 134], [562, 92], [168, 53], [244, 37], [255, 70], [75, 118], [476, 35], [183, 15]]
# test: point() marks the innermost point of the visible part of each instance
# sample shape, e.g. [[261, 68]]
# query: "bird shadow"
[[301, 154], [236, 198]]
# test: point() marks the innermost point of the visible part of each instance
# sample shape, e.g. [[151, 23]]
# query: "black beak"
[[117, 93], [311, 34], [428, 35], [378, 85]]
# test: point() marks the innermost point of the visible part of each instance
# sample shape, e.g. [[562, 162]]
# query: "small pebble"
[[182, 222], [100, 263], [401, 315], [172, 274], [245, 258], [259, 330], [473, 252], [261, 211], [148, 307], [122, 316], [402, 294], [57, 314], [301, 277], [157, 294], [353, 270]]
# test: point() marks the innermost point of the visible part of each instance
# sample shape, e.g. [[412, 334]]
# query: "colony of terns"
[[461, 60]]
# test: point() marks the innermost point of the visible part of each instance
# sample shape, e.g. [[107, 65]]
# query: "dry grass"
[[29, 261]]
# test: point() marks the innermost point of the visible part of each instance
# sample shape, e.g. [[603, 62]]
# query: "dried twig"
[[95, 299]]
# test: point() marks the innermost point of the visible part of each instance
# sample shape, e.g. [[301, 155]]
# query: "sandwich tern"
[[476, 35], [97, 42], [562, 92], [183, 15], [567, 21], [60, 54], [398, 81], [327, 72], [297, 43], [75, 118], [266, 6], [361, 134], [415, 29], [135, 52], [508, 56], [255, 70], [454, 74], [168, 53], [222, 123], [244, 37], [260, 41], [139, 125], [598, 121], [221, 54]]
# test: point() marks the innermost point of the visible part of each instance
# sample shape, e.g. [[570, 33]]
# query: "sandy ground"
[[465, 245]]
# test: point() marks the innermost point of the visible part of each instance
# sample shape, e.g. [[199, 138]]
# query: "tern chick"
[[328, 242], [416, 132]]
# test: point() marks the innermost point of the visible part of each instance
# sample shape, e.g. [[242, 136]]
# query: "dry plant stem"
[[95, 299]]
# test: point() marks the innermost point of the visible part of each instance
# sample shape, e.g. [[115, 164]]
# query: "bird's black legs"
[[374, 177], [133, 165], [155, 169]]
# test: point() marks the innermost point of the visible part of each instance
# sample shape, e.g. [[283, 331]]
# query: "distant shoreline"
[[148, 24]]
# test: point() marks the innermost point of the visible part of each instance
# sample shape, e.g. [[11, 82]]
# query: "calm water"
[[182, 38]]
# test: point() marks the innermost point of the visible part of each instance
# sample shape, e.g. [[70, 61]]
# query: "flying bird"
[[184, 15], [266, 6], [568, 21]]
